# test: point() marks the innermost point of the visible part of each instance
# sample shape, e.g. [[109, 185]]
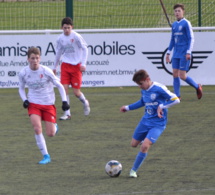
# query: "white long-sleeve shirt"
[[72, 48], [40, 85]]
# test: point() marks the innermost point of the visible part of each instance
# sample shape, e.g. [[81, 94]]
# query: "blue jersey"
[[182, 38], [156, 95]]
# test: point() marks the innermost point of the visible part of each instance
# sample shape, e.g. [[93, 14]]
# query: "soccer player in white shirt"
[[73, 49], [156, 99], [40, 99], [182, 41]]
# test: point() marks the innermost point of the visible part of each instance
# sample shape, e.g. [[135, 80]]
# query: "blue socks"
[[139, 160], [191, 82], [188, 80], [176, 85]]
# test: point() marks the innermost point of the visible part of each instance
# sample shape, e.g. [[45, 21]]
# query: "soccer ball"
[[113, 168]]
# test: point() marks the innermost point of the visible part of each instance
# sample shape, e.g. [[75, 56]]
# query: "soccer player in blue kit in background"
[[182, 41], [156, 98]]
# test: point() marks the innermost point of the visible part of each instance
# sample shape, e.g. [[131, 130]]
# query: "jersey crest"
[[153, 96]]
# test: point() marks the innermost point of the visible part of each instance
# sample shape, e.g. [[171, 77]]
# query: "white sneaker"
[[133, 174], [65, 117], [86, 108]]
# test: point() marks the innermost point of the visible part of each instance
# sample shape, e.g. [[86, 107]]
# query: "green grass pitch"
[[181, 162]]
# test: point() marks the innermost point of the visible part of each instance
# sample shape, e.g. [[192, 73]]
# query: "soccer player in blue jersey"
[[156, 98], [182, 41]]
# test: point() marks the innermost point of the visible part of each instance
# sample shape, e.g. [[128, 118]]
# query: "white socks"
[[67, 112], [82, 98], [41, 143]]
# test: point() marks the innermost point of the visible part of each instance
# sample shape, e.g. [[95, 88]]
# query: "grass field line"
[[164, 191], [112, 93], [136, 93], [102, 93]]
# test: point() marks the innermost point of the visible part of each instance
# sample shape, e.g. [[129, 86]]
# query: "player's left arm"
[[65, 105], [190, 36], [84, 59], [171, 98], [56, 81], [60, 89], [83, 46]]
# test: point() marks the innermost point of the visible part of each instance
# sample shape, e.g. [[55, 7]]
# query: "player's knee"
[[144, 148], [37, 130], [134, 144], [175, 74], [77, 94], [66, 87], [50, 134], [183, 77]]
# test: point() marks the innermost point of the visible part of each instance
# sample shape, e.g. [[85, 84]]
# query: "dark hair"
[[67, 20], [178, 5], [33, 50], [140, 75]]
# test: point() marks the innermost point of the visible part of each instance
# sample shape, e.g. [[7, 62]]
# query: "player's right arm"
[[22, 90], [172, 41], [133, 106], [171, 45]]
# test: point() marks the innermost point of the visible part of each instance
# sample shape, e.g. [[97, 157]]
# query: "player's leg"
[[65, 80], [51, 128], [49, 116], [184, 67], [134, 143], [40, 140], [139, 134], [141, 156], [176, 78], [76, 81], [67, 113], [82, 98], [150, 138], [176, 83]]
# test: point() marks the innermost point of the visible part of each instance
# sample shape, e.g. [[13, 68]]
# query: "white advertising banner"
[[113, 57]]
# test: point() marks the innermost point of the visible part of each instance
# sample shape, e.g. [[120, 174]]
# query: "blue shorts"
[[181, 63], [151, 132]]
